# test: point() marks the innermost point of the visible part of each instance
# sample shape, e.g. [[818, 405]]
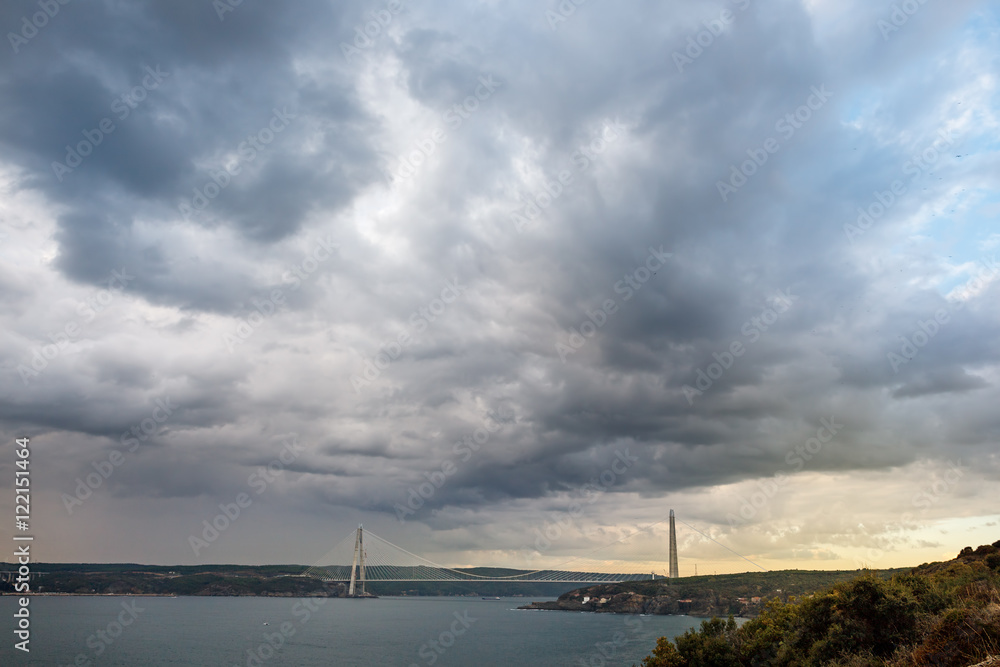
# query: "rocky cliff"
[[605, 599]]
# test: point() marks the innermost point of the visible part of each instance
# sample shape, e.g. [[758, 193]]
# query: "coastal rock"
[[605, 599]]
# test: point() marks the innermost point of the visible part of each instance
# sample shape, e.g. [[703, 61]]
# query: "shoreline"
[[632, 613], [112, 595]]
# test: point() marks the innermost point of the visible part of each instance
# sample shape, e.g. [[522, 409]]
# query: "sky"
[[504, 281]]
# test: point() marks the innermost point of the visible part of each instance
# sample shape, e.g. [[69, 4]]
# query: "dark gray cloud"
[[468, 216]]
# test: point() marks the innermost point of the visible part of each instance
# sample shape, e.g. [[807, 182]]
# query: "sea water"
[[302, 632]]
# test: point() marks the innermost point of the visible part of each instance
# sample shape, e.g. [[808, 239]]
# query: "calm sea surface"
[[388, 631]]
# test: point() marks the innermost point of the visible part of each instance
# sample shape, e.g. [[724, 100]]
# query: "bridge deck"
[[527, 581], [506, 579]]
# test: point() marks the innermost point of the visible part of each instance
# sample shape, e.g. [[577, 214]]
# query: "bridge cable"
[[722, 545]]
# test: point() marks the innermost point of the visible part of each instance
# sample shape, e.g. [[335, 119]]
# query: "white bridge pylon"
[[372, 558], [359, 556]]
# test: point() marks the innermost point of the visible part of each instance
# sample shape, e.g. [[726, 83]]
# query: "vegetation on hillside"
[[248, 580], [936, 615], [741, 594]]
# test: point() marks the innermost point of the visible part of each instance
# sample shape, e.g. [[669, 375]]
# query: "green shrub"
[[664, 655], [940, 615], [961, 636]]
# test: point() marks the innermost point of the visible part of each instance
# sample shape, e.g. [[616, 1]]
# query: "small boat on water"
[[491, 598]]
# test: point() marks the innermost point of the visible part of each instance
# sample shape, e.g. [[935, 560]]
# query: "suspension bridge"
[[374, 559]]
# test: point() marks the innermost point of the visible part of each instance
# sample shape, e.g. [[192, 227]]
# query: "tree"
[[664, 655], [712, 646]]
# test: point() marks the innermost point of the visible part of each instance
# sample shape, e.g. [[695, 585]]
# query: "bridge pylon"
[[359, 556], [673, 548]]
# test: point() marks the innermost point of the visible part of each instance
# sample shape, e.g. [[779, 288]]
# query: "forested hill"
[[245, 580], [938, 614], [742, 594]]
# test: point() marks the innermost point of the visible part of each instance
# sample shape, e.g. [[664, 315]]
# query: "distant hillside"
[[244, 580], [935, 615], [742, 594]]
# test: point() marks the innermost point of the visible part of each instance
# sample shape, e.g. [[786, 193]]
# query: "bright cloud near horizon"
[[503, 281]]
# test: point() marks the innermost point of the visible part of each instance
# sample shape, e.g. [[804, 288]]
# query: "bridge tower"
[[673, 548], [359, 555]]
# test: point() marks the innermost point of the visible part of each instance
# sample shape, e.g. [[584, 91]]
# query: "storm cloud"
[[469, 255]]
